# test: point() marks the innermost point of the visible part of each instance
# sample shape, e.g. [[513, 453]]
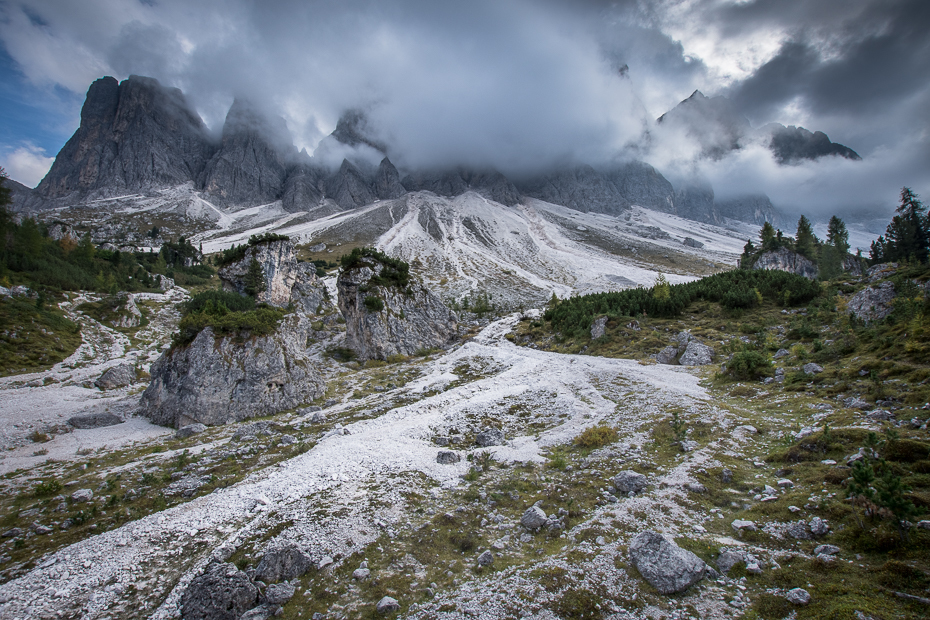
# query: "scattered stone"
[[279, 593], [726, 475], [485, 558], [794, 509], [285, 562], [287, 440], [667, 355], [785, 483], [599, 327], [117, 376], [447, 457], [41, 530], [387, 605], [728, 559], [13, 533], [798, 530], [692, 243], [781, 353], [324, 562], [308, 410], [94, 420], [82, 495], [854, 402], [697, 354], [490, 437], [819, 527], [798, 596], [741, 525], [669, 568], [262, 612], [696, 487], [629, 482], [812, 369], [189, 431], [361, 573], [534, 518], [880, 415], [221, 592], [826, 550]]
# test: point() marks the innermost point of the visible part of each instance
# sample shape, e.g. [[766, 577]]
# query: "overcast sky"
[[516, 85]]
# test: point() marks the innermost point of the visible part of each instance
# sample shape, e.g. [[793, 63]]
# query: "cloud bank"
[[522, 85]]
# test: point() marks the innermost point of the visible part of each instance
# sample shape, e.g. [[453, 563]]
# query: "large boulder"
[[388, 313], [221, 592], [217, 380], [283, 563], [665, 565], [873, 303], [784, 259], [117, 376]]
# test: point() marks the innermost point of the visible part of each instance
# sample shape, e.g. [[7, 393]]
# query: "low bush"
[[749, 365], [596, 437]]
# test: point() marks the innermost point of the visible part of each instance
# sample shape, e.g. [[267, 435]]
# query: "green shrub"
[[259, 322], [374, 303], [749, 365], [394, 272], [46, 488], [596, 437], [215, 301]]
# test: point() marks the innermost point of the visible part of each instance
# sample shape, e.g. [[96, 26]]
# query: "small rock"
[[819, 527], [812, 369], [740, 525], [279, 593], [534, 518], [854, 402], [447, 457], [189, 431], [13, 533], [880, 415], [629, 482], [798, 529], [798, 596], [361, 573], [324, 562], [696, 487], [387, 605], [490, 437], [785, 483], [781, 353], [599, 327], [485, 558], [82, 495], [697, 354], [728, 559], [726, 475]]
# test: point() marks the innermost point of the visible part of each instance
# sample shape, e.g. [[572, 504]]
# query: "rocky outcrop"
[[384, 319], [349, 187], [872, 303], [581, 188], [134, 135], [784, 259], [669, 568], [217, 380], [286, 280], [387, 181], [117, 376], [250, 166]]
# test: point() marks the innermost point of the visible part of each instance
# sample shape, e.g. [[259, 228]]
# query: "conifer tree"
[[767, 235], [806, 241], [255, 279]]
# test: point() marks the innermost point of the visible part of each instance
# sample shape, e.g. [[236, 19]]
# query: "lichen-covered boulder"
[[217, 380], [387, 312], [665, 565], [872, 303], [221, 592]]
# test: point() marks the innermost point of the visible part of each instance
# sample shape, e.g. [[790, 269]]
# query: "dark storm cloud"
[[526, 84]]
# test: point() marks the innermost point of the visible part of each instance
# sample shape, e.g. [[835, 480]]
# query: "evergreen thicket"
[[907, 237], [734, 290]]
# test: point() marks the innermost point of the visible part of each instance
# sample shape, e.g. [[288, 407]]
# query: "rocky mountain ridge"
[[139, 136]]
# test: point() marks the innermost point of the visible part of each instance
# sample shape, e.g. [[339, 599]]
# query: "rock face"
[[250, 166], [872, 303], [220, 380], [784, 259], [411, 319], [286, 280], [582, 188], [133, 135], [222, 592], [791, 144], [284, 562], [668, 567], [387, 182]]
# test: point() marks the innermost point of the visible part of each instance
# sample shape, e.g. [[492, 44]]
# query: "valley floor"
[[361, 482]]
